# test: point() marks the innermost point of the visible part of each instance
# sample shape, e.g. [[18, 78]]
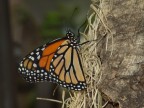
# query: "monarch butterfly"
[[58, 62]]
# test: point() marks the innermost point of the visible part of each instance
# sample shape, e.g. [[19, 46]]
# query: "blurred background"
[[25, 25]]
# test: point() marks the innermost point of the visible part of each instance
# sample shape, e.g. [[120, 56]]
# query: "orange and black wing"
[[35, 66], [66, 67], [58, 62]]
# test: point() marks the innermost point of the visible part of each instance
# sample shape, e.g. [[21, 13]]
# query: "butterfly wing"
[[58, 62], [35, 66], [66, 67]]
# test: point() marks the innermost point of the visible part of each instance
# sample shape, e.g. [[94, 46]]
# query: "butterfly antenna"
[[69, 20], [78, 37], [72, 16]]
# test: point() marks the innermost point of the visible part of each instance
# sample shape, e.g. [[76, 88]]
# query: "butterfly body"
[[58, 62]]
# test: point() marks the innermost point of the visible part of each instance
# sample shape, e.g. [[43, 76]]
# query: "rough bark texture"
[[123, 72]]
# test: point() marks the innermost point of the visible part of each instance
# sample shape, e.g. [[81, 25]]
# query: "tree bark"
[[7, 74], [123, 72]]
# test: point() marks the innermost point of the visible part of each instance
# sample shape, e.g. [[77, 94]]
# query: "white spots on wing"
[[58, 48], [84, 84], [34, 65], [41, 75], [32, 58], [44, 45], [82, 87], [38, 71], [37, 53], [32, 53], [21, 64], [37, 49], [23, 72], [78, 86], [19, 69], [45, 73], [42, 49], [38, 57]]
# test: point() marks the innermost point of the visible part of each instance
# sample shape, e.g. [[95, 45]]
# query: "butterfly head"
[[71, 36]]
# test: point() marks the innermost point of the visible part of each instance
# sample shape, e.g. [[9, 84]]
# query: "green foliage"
[[52, 25]]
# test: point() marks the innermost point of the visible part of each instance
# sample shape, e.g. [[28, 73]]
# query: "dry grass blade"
[[46, 99]]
